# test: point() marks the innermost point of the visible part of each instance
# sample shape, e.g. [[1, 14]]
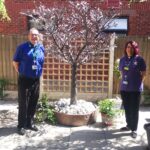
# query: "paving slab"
[[50, 137]]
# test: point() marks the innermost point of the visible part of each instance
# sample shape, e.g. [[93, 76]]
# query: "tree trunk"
[[73, 84]]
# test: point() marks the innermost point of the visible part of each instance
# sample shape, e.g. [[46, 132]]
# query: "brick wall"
[[139, 15], [18, 23]]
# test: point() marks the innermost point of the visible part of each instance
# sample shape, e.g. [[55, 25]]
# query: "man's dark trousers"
[[28, 95]]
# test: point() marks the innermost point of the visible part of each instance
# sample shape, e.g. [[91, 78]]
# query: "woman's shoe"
[[21, 131], [133, 134], [125, 129], [32, 127]]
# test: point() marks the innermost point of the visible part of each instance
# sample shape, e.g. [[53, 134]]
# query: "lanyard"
[[128, 63], [126, 70], [35, 53]]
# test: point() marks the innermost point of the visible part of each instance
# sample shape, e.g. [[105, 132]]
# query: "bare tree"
[[68, 23]]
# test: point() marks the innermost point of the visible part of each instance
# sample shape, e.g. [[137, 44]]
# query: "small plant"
[[107, 106], [45, 112], [3, 83]]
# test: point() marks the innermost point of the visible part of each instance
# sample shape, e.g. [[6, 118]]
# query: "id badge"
[[126, 68], [34, 67], [125, 82]]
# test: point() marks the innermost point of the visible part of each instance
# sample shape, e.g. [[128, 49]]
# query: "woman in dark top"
[[133, 70]]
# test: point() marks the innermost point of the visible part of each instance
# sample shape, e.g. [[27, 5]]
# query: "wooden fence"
[[8, 45]]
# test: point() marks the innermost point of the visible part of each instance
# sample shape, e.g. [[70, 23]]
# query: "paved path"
[[92, 137]]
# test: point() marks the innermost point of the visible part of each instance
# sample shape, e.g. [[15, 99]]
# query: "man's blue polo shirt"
[[27, 55]]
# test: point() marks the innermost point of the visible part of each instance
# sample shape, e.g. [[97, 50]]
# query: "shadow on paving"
[[93, 137], [145, 108], [97, 140], [89, 139], [6, 131], [123, 141], [75, 141], [59, 143]]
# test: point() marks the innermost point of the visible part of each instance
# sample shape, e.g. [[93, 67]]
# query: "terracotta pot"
[[107, 120], [75, 120]]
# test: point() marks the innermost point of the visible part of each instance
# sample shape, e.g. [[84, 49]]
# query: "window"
[[117, 25]]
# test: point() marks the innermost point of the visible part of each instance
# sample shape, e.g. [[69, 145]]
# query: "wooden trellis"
[[92, 77]]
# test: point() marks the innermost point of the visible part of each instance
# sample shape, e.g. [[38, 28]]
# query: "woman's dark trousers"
[[131, 102]]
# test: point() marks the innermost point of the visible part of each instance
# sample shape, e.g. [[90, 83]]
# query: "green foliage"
[[45, 112], [109, 107], [3, 83], [3, 12], [117, 73], [106, 106], [146, 95]]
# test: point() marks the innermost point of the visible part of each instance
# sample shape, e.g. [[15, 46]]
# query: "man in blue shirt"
[[28, 62]]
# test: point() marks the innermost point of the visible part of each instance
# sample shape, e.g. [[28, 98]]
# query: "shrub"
[[45, 112], [3, 83]]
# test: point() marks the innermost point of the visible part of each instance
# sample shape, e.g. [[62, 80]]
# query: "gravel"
[[81, 108]]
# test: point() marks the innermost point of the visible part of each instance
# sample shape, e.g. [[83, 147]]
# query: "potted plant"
[[107, 110]]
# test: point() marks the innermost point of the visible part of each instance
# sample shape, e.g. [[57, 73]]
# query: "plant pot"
[[107, 120], [75, 120]]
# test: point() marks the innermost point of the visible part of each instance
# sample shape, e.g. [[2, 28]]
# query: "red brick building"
[[138, 13], [93, 77]]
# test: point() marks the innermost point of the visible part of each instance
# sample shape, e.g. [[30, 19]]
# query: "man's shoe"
[[133, 134], [125, 129], [32, 127], [21, 131]]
